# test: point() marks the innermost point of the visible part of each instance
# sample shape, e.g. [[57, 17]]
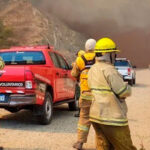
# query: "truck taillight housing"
[[129, 71], [29, 79]]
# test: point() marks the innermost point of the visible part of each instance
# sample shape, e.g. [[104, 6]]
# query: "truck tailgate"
[[12, 76], [122, 70]]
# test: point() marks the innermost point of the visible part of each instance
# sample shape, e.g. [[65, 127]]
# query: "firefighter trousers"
[[84, 126], [84, 122], [114, 137]]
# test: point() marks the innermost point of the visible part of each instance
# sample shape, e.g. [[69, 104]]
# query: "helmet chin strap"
[[115, 56], [112, 59]]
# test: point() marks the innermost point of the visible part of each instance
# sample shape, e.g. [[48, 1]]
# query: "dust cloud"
[[127, 22]]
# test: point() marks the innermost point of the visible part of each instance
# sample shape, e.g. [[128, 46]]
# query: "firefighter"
[[79, 54], [80, 68], [108, 112]]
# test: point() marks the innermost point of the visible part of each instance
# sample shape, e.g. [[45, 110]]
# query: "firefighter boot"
[[77, 114], [78, 145]]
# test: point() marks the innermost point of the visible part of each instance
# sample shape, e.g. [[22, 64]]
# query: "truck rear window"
[[23, 57], [122, 63]]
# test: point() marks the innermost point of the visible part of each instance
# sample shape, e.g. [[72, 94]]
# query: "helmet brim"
[[106, 51]]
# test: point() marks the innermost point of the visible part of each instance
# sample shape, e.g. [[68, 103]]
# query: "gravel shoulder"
[[20, 131]]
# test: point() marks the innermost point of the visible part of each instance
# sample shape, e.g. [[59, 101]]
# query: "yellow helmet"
[[80, 53], [105, 45]]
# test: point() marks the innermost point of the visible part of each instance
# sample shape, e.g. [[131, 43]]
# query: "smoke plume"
[[127, 22]]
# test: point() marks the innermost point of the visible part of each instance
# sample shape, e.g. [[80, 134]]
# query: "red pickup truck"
[[36, 78]]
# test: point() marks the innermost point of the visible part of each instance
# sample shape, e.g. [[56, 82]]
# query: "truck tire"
[[46, 113], [134, 81], [73, 106], [130, 82], [12, 110]]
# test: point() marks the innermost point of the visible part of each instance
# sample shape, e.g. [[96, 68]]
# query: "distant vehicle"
[[36, 78], [125, 68]]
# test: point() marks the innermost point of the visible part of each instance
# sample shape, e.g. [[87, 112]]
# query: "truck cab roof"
[[29, 48]]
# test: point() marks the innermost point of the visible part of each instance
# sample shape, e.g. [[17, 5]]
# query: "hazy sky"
[[125, 14]]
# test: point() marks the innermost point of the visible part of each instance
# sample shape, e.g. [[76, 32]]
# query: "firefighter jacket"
[[80, 69], [109, 92], [2, 64]]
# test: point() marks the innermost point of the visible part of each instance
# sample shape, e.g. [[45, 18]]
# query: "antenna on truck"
[[48, 46]]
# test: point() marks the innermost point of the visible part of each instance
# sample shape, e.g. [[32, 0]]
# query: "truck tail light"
[[129, 71], [29, 79]]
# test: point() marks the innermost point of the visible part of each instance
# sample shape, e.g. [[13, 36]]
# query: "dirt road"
[[20, 131]]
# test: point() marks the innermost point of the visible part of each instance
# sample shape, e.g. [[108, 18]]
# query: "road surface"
[[20, 131]]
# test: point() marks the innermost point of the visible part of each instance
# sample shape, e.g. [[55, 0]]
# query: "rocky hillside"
[[31, 27]]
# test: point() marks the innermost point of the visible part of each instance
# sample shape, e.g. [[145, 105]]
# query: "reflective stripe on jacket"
[[83, 128], [109, 91]]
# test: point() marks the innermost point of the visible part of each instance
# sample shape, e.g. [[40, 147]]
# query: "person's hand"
[[73, 64]]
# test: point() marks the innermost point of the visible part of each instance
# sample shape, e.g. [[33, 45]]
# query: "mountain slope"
[[31, 27]]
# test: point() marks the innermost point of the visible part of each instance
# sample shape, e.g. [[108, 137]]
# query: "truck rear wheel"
[[130, 82], [73, 106], [12, 110], [134, 81], [46, 113]]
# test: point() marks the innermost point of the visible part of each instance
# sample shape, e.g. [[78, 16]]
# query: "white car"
[[125, 68]]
